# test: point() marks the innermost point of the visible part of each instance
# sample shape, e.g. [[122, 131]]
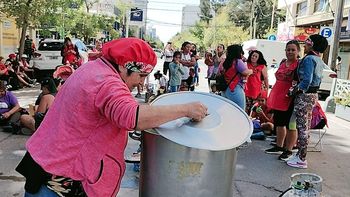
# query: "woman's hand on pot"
[[196, 111]]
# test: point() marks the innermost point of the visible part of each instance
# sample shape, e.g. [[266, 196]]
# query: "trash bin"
[[188, 159]]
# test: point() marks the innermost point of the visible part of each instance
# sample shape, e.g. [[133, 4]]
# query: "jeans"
[[43, 192], [174, 88], [237, 96]]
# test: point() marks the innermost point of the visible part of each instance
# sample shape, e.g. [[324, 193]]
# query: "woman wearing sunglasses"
[[309, 76]]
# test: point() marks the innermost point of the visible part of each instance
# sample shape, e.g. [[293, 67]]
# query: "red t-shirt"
[[253, 86], [278, 99], [4, 68]]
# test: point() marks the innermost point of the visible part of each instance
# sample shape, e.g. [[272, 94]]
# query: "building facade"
[[307, 17], [190, 15]]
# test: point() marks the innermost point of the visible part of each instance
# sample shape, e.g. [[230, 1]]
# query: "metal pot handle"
[[135, 135]]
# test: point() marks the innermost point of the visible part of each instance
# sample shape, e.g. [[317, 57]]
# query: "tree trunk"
[[24, 30], [23, 35]]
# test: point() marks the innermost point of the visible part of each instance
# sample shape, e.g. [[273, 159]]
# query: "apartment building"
[[307, 17], [190, 15]]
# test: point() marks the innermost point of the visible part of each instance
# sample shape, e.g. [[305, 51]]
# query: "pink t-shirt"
[[84, 133]]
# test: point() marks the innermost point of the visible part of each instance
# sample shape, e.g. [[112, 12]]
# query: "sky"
[[162, 17]]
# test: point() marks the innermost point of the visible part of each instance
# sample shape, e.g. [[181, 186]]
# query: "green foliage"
[[205, 7], [180, 38], [240, 14], [343, 99], [220, 30]]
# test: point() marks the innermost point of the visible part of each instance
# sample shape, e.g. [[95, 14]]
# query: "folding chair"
[[318, 135], [318, 127]]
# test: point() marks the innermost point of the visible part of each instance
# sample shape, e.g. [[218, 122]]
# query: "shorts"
[[284, 118]]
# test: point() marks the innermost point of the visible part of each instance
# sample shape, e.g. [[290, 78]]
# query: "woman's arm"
[[266, 77], [153, 116], [12, 111], [190, 63]]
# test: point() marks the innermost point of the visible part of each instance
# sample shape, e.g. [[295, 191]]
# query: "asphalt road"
[[257, 174]]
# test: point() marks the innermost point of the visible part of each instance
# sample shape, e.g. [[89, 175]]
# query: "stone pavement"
[[257, 174]]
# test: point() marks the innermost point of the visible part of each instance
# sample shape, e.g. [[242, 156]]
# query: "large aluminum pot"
[[186, 159]]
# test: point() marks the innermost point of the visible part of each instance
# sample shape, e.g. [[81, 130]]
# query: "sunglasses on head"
[[139, 67]]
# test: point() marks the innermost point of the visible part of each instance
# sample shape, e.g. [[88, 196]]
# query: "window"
[[50, 46], [347, 3], [301, 8], [321, 5]]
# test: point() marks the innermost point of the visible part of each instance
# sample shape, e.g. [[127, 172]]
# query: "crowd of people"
[[286, 111], [289, 108], [96, 101]]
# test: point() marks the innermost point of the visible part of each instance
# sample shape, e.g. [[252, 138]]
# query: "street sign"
[[136, 14], [272, 37], [328, 33]]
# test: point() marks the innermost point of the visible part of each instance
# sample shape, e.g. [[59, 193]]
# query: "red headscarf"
[[126, 50]]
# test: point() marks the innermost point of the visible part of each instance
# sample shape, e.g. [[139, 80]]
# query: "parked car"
[[47, 57], [327, 80]]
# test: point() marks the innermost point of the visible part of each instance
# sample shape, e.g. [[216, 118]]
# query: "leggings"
[[303, 105]]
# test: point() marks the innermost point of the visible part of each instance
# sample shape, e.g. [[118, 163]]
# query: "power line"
[[161, 2]]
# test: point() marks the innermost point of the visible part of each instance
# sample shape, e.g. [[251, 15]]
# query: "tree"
[[205, 15], [222, 31], [26, 13], [240, 13]]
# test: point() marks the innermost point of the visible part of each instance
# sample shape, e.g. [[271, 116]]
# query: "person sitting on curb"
[[9, 110], [261, 113], [43, 103]]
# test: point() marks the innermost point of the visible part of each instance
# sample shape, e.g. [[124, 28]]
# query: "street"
[[257, 174]]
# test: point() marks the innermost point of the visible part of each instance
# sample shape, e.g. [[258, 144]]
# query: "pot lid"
[[227, 126]]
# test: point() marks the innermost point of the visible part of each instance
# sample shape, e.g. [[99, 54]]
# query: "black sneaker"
[[285, 155], [275, 150]]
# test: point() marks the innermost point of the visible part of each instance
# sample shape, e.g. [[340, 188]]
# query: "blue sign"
[[272, 37], [136, 14], [326, 32]]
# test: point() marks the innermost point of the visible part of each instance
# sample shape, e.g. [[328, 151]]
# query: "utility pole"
[[273, 14], [252, 16], [338, 20]]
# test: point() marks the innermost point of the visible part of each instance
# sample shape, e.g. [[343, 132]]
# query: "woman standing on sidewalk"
[[283, 105], [309, 75]]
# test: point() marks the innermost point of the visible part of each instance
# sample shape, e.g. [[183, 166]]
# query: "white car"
[[327, 80], [48, 56]]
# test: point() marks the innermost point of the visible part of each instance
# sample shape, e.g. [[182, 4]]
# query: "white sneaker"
[[296, 162]]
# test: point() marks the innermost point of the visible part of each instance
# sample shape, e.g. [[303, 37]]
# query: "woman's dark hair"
[[66, 39], [223, 46], [261, 59], [176, 53], [234, 52], [2, 85], [320, 43], [295, 42], [49, 83], [184, 44]]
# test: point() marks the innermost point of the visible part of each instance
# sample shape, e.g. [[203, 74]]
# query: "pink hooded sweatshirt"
[[84, 134]]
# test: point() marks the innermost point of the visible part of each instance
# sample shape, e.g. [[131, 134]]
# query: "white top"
[[168, 55], [185, 69]]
